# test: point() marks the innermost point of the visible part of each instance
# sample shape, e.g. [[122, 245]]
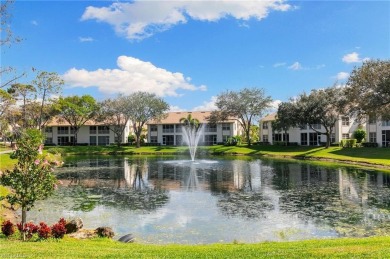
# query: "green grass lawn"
[[376, 247]]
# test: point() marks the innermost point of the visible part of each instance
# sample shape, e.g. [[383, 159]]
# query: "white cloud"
[[34, 22], [295, 66], [141, 19], [86, 39], [342, 76], [174, 108], [207, 105], [133, 75], [353, 58]]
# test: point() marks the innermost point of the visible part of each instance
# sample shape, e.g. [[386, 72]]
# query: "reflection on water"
[[162, 201]]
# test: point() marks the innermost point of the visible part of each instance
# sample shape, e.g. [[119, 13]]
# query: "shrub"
[[7, 228], [29, 229], [348, 143], [359, 135], [58, 230], [233, 141], [370, 144], [44, 231]]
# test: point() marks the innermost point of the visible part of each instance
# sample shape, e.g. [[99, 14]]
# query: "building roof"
[[269, 117], [57, 121], [174, 117]]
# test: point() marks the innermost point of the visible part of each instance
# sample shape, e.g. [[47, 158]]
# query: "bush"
[[359, 135], [29, 229], [7, 228], [56, 151], [58, 230], [44, 231], [370, 144], [233, 141], [348, 143]]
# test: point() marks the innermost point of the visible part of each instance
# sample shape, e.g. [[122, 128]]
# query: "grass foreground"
[[375, 247]]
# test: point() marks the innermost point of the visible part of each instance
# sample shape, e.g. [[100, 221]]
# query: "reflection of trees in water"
[[116, 184], [340, 198], [244, 204]]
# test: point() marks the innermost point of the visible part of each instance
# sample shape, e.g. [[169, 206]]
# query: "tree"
[[116, 112], [247, 105], [359, 135], [285, 118], [190, 122], [145, 107], [31, 178], [77, 111], [368, 89], [47, 83], [324, 106], [26, 94], [6, 101]]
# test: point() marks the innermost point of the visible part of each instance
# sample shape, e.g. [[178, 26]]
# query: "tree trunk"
[[327, 140], [285, 138], [24, 218], [248, 136]]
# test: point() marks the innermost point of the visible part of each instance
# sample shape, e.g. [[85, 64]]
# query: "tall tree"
[[285, 118], [26, 94], [6, 101], [247, 105], [47, 83], [116, 112], [190, 122], [368, 89], [145, 107], [324, 106], [77, 111]]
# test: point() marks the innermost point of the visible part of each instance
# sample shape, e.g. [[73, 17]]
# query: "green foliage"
[[233, 141], [348, 143], [359, 135], [31, 179]]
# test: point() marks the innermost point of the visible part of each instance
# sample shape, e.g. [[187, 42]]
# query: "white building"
[[378, 131], [168, 131], [304, 135], [92, 133]]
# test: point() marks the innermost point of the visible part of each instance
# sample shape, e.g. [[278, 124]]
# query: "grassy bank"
[[363, 156], [341, 248]]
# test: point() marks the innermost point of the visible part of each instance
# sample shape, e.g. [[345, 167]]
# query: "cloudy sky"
[[188, 52]]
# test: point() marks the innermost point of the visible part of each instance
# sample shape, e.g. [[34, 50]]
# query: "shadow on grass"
[[364, 152]]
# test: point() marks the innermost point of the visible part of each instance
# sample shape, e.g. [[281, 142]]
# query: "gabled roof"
[[57, 121], [269, 117], [174, 117]]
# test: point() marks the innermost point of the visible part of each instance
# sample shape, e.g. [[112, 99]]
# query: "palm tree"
[[190, 122]]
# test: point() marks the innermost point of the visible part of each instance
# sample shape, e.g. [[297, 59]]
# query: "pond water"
[[171, 200]]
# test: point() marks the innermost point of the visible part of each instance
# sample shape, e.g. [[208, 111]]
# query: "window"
[[303, 139], [153, 127], [49, 141], [210, 139], [103, 130], [345, 136], [372, 137], [265, 138], [345, 121], [63, 130], [225, 126], [277, 137], [225, 138], [316, 126], [179, 140], [72, 130], [386, 123], [92, 129], [62, 141], [265, 125], [168, 139], [103, 140], [303, 126], [179, 128], [48, 129], [168, 128], [385, 138], [153, 139], [92, 140], [313, 139], [210, 128]]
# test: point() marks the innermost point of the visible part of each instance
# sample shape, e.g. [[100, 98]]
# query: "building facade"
[[378, 131], [304, 135], [169, 131], [91, 133]]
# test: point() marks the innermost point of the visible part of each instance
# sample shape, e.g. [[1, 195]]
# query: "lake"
[[172, 200]]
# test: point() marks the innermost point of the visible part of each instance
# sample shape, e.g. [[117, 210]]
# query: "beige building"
[[168, 131], [378, 131]]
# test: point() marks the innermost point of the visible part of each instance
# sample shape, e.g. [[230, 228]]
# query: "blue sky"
[[188, 52]]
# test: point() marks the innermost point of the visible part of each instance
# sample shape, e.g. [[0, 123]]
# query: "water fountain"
[[192, 135]]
